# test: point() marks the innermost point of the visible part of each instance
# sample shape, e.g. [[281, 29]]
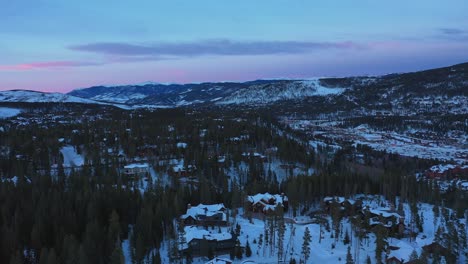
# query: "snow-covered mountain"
[[282, 90], [24, 96], [222, 93], [355, 92], [443, 89]]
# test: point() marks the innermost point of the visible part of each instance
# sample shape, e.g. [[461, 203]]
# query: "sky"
[[58, 46]]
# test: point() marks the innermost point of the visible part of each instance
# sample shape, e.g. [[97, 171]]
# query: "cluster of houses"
[[448, 171], [398, 254], [387, 217], [206, 226]]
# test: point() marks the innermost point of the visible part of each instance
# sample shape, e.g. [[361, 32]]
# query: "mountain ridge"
[[438, 86]]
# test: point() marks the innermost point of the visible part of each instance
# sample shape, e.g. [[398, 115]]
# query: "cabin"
[[347, 206], [436, 248], [267, 203], [200, 241], [205, 215], [385, 217], [393, 260], [136, 170]]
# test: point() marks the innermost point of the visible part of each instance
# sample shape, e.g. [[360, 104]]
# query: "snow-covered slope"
[[283, 90], [23, 96], [174, 95], [7, 112]]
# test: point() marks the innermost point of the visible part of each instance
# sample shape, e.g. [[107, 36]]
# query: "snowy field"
[[71, 158], [6, 112], [326, 246]]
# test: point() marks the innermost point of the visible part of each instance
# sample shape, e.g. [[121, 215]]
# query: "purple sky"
[[55, 45]]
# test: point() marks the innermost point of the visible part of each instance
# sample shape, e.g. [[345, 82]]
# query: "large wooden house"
[[347, 206], [205, 215], [136, 170], [267, 203], [200, 241]]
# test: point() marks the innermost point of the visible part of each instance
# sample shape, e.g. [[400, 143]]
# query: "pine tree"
[[414, 255], [346, 239], [16, 258], [44, 256], [248, 250], [156, 258], [306, 244], [349, 257], [52, 257], [238, 250], [117, 256]]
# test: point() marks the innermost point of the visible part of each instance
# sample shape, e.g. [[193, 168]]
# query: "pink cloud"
[[45, 65]]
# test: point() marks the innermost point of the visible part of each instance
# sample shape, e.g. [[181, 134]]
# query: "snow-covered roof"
[[178, 168], [264, 198], [205, 210], [181, 145], [441, 168], [193, 232], [403, 251], [137, 165], [338, 199], [255, 154], [219, 261], [384, 212]]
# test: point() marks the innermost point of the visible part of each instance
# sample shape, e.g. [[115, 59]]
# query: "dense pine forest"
[[53, 210]]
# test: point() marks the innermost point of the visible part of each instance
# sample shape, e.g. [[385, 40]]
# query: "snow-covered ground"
[[71, 158], [7, 112], [330, 248]]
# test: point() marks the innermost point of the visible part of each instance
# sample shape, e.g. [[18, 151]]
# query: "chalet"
[[205, 215], [438, 249], [200, 241], [136, 170], [385, 217], [267, 203], [349, 206], [393, 260]]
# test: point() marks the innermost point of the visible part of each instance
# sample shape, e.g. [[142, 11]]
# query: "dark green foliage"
[[349, 257], [248, 250]]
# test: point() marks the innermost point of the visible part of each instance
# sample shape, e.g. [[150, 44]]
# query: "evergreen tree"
[[52, 257], [238, 250], [117, 256], [307, 239], [248, 250], [16, 258], [346, 239], [349, 257], [44, 256], [414, 255], [156, 259]]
